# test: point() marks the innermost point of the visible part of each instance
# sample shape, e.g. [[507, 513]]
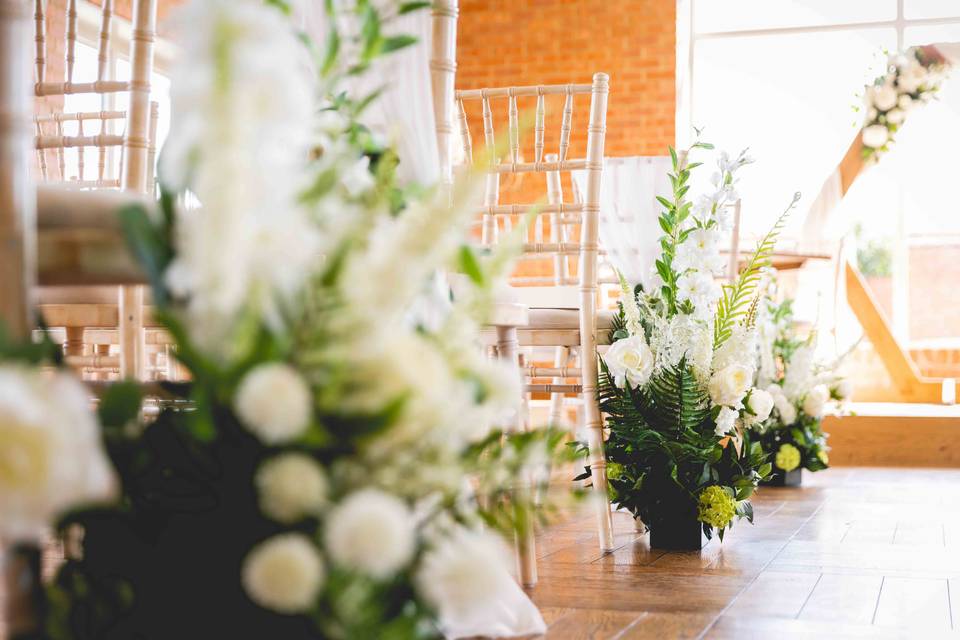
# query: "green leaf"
[[470, 265], [395, 43], [149, 246], [332, 50], [408, 7], [120, 404]]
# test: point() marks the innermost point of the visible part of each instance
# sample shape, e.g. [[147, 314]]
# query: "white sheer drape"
[[403, 114], [629, 231]]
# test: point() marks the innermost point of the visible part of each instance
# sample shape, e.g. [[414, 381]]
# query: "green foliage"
[[875, 258], [738, 296]]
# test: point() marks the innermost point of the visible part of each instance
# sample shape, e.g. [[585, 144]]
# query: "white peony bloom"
[[843, 389], [371, 532], [284, 573], [760, 404], [875, 136], [629, 361], [884, 97], [51, 454], [291, 486], [729, 385], [895, 116], [463, 573], [726, 421], [274, 402], [814, 403]]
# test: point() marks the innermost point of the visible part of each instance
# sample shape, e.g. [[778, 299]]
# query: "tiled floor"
[[853, 553]]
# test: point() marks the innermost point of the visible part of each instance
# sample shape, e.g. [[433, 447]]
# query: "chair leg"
[[507, 347], [598, 469], [131, 333]]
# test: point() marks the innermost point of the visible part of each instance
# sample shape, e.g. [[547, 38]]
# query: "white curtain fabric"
[[403, 114], [629, 231]]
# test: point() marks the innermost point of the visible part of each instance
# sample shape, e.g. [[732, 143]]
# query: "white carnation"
[[629, 361], [284, 574], [884, 97], [463, 574], [51, 454], [814, 403], [274, 402], [726, 421], [371, 532], [729, 385], [291, 486], [760, 404], [875, 136]]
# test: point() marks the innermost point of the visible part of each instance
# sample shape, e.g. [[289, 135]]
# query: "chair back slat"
[[103, 51], [566, 126], [539, 130], [70, 50], [514, 130], [464, 133], [40, 44]]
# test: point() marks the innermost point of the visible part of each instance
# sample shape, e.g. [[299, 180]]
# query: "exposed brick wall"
[[508, 42]]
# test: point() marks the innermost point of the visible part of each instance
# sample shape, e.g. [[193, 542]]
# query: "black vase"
[[784, 478], [677, 532]]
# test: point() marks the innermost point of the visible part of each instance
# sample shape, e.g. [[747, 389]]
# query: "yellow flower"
[[788, 457], [824, 458], [717, 507]]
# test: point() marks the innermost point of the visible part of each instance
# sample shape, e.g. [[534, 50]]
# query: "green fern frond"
[[676, 400], [735, 301]]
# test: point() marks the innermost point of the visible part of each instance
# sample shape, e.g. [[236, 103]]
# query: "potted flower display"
[[676, 383], [800, 391]]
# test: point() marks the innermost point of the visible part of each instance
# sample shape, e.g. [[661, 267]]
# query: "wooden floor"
[[854, 553]]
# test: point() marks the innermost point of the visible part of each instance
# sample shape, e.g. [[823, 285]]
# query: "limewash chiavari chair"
[[561, 315], [137, 147]]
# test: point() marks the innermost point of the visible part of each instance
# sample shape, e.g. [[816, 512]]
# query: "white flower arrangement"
[[913, 78], [326, 429]]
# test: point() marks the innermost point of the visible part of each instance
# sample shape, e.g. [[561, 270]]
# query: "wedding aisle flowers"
[[802, 391], [677, 380], [913, 78], [52, 456], [321, 474]]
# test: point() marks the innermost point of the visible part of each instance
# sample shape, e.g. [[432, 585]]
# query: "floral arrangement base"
[[681, 533], [784, 479]]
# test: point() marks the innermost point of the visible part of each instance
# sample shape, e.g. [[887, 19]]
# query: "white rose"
[[629, 361], [788, 413], [284, 574], [843, 389], [728, 386], [371, 532], [51, 453], [884, 97], [872, 114], [726, 421], [815, 401], [905, 102], [875, 136], [912, 78], [761, 404], [273, 401], [462, 574], [895, 116], [291, 486]]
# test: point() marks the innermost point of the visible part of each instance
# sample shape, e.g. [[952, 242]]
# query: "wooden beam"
[[904, 372]]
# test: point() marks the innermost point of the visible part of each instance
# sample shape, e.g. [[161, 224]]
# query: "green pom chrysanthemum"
[[717, 507], [788, 457]]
